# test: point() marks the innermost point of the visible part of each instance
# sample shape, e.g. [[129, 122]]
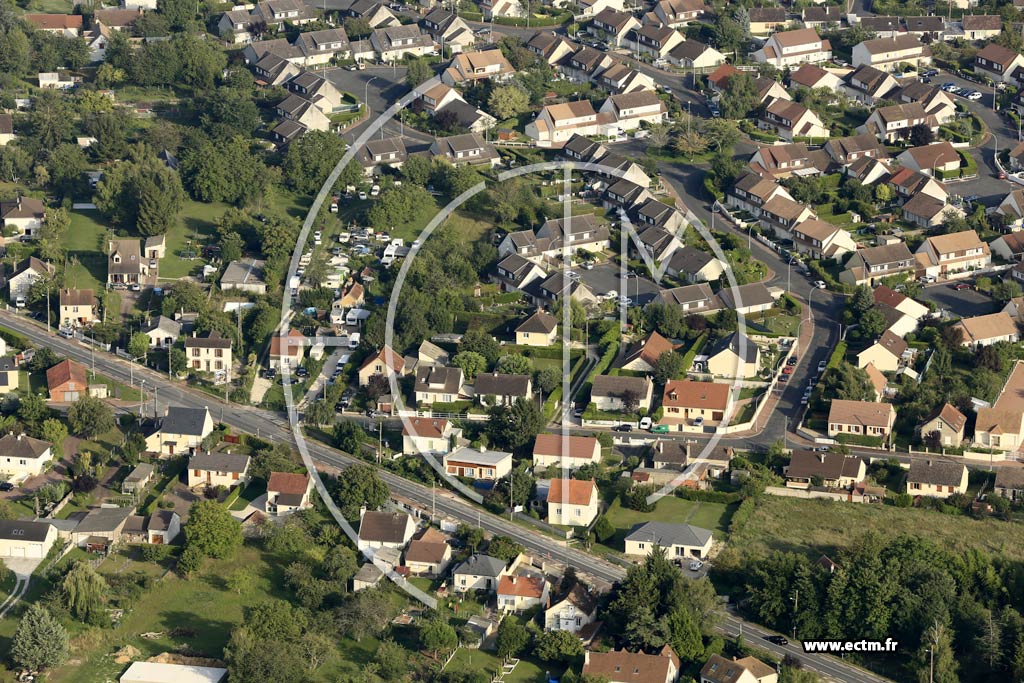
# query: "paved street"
[[962, 303], [275, 427]]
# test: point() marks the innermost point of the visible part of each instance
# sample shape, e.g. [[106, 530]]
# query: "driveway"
[[22, 568], [606, 278], [962, 303]]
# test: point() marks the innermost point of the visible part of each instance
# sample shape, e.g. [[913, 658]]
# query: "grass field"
[[713, 516], [478, 660], [821, 526]]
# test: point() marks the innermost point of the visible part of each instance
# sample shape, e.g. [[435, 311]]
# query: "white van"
[[353, 340]]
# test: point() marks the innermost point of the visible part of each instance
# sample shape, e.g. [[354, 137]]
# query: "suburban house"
[[6, 129], [159, 528], [478, 572], [23, 216], [998, 63], [286, 350], [208, 352], [288, 492], [870, 264], [180, 430], [381, 529], [565, 451], [218, 469], [613, 25], [938, 156], [634, 108], [718, 669], [643, 356], [437, 384], [928, 212], [1010, 481], [622, 666], [656, 41], [945, 426], [244, 275], [517, 593], [680, 542], [429, 555], [1011, 209], [101, 528], [470, 67], [392, 43], [574, 611], [125, 265], [384, 153], [611, 392], [766, 20], [752, 191], [448, 29], [869, 84], [981, 26], [985, 330], [833, 470], [886, 53], [791, 120], [26, 539], [1002, 425], [495, 388], [860, 418], [845, 151], [936, 478], [477, 463], [781, 214], [540, 329], [749, 299], [467, 148], [894, 122], [812, 76], [163, 332], [21, 455], [687, 402], [138, 479], [66, 381], [790, 48], [821, 17], [734, 356], [10, 375], [784, 160], [693, 54], [424, 434], [885, 354], [572, 502], [62, 25], [556, 123], [822, 240], [694, 265], [955, 252], [77, 307], [385, 363], [25, 274]]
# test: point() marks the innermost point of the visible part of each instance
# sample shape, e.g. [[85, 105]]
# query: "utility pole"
[[796, 608]]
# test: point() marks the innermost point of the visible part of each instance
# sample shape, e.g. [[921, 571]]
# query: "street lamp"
[[366, 94]]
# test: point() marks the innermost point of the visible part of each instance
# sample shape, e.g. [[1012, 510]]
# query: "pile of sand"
[[172, 658], [127, 654]]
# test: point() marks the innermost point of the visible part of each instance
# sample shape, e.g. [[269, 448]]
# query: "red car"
[[788, 370], [961, 285]]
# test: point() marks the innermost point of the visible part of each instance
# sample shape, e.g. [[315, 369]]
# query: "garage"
[[19, 540]]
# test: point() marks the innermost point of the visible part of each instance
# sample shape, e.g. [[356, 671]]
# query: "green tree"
[[471, 363], [55, 432], [392, 660], [143, 195], [357, 486], [50, 118], [32, 410], [668, 366], [741, 93], [416, 170], [90, 416], [514, 364], [508, 101], [417, 71], [512, 638], [66, 165], [504, 548], [310, 159], [212, 530], [437, 636], [180, 14], [15, 51], [516, 425], [84, 591], [849, 383], [603, 529], [348, 436], [547, 380], [478, 341], [138, 345], [557, 646], [40, 642], [357, 28], [935, 662], [242, 580]]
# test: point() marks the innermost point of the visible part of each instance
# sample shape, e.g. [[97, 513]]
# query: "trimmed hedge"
[[838, 354], [694, 350], [709, 496]]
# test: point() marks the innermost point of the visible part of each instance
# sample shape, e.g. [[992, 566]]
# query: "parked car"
[[6, 486], [66, 332], [788, 370], [622, 428], [820, 284], [931, 72], [778, 640], [822, 365], [696, 565], [783, 379], [974, 95], [659, 429], [961, 285], [362, 195]]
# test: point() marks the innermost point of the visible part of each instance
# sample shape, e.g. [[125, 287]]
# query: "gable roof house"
[[428, 556], [385, 362], [76, 307], [517, 593], [643, 356], [278, 12], [477, 463], [734, 355], [679, 541], [422, 434], [789, 48], [569, 452], [572, 502], [125, 265], [766, 20], [613, 26], [781, 214], [860, 418], [868, 84], [448, 29], [26, 539], [698, 298], [785, 159], [479, 572], [751, 191], [320, 47], [208, 352], [572, 612], [656, 41], [632, 109], [812, 76], [21, 454], [387, 152], [944, 425], [501, 8], [622, 666], [288, 492], [286, 350], [834, 469], [517, 272], [437, 384], [244, 275], [1011, 209], [1001, 426], [472, 67], [998, 63], [818, 17], [608, 392], [217, 469], [495, 388], [678, 13], [929, 27], [927, 212], [180, 430], [894, 122], [392, 43], [981, 26], [694, 404], [63, 25], [937, 156], [556, 123], [468, 148], [985, 330], [540, 329], [886, 53], [693, 54], [822, 240], [381, 529], [936, 478], [718, 669], [885, 354], [881, 26], [66, 381], [955, 253], [695, 265], [550, 47], [23, 216]]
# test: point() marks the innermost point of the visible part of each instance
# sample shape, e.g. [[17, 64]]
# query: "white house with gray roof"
[[679, 541], [218, 469], [181, 429], [478, 572]]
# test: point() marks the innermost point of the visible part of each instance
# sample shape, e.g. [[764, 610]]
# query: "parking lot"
[[961, 303], [606, 278]]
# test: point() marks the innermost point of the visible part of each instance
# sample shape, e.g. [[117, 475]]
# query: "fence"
[[808, 494]]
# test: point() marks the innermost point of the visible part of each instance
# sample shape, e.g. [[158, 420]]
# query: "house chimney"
[[821, 457], [362, 511]]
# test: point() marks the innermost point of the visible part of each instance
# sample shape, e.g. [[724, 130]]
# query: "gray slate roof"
[[481, 565], [103, 519], [12, 530], [665, 534], [181, 420], [219, 462]]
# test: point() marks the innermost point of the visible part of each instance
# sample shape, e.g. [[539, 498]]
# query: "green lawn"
[[195, 224], [250, 493], [477, 660], [783, 325], [713, 516]]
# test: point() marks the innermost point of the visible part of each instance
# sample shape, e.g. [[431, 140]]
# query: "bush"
[[155, 553], [708, 496], [635, 497], [603, 529]]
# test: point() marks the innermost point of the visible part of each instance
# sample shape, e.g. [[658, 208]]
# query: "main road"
[[275, 427]]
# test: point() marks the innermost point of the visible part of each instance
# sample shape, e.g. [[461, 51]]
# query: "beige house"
[[470, 67], [181, 430], [886, 53], [382, 529], [734, 356], [23, 216], [885, 354], [209, 352], [218, 469], [936, 478], [437, 384], [680, 542], [608, 392], [21, 455], [998, 63], [424, 434], [860, 418], [871, 264], [696, 404], [894, 122], [77, 307], [634, 108], [833, 469], [954, 253], [790, 120], [477, 463], [622, 666], [556, 123], [573, 612], [718, 669], [572, 502], [540, 329], [985, 330], [1001, 425], [385, 363], [426, 557], [822, 240], [945, 424], [643, 356], [10, 375], [26, 539], [791, 48], [567, 451], [288, 492], [517, 593]]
